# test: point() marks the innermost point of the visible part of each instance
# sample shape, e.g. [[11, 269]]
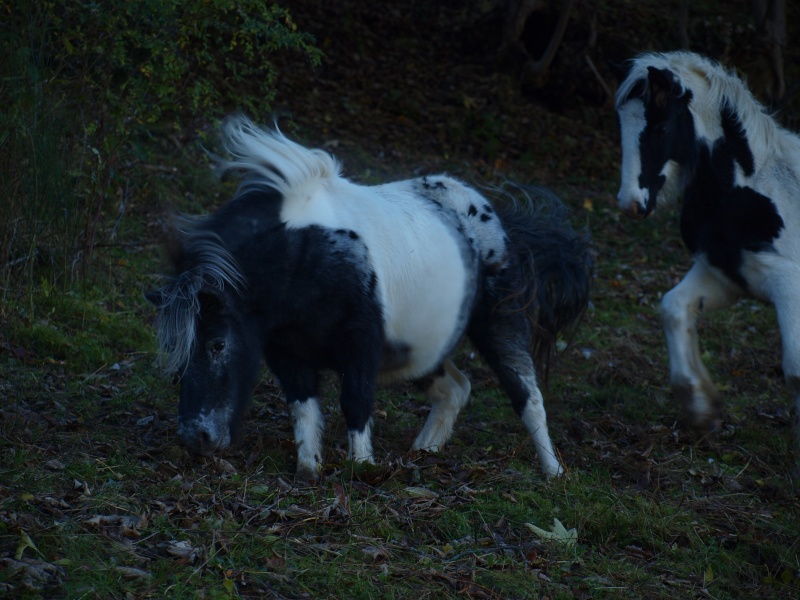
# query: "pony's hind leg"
[[504, 345], [448, 394], [700, 290]]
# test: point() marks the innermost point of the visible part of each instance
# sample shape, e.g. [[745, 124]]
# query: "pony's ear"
[[660, 85], [619, 70]]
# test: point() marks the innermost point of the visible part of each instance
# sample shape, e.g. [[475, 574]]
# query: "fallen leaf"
[[133, 573], [25, 541], [35, 573], [420, 492], [558, 533], [376, 553], [182, 549], [708, 576]]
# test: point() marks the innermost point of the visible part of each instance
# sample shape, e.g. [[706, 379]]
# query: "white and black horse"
[[313, 272], [691, 128]]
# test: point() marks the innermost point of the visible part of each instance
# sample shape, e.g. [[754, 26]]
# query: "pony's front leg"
[[448, 393], [357, 398], [308, 425], [784, 291], [700, 290], [301, 388]]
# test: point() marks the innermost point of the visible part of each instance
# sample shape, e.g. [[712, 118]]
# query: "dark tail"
[[557, 266]]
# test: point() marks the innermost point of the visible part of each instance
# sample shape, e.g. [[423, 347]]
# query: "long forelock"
[[213, 268]]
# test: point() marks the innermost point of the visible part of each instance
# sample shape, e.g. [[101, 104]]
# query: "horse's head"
[[658, 138], [207, 337]]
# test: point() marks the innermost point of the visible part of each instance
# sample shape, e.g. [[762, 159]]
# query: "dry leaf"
[[182, 549], [25, 541], [420, 492], [133, 573], [558, 533], [376, 553]]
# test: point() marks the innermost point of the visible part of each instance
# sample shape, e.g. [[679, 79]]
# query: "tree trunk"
[[536, 67], [770, 18], [517, 15]]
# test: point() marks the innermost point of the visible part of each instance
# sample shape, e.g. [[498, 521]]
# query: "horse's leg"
[[700, 290], [504, 345], [357, 397], [308, 425], [448, 393], [301, 387], [784, 291]]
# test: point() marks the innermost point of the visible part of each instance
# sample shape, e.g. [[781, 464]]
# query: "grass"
[[93, 476]]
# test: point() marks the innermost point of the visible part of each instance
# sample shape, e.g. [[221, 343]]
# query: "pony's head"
[[206, 337], [657, 134]]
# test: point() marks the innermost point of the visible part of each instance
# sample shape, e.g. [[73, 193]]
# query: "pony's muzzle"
[[635, 208], [200, 439], [201, 444]]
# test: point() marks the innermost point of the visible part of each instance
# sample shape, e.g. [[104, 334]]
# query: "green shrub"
[[81, 78], [146, 60]]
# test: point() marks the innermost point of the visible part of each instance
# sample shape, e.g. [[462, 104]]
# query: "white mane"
[[712, 87]]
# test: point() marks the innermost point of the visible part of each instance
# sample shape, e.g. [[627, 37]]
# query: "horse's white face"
[[656, 135], [632, 197]]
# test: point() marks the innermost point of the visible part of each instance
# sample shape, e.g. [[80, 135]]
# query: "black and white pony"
[[690, 128], [314, 272]]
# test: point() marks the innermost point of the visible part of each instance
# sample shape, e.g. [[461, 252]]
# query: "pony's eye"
[[216, 347], [660, 129]]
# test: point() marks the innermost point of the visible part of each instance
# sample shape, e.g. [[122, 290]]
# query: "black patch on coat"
[[310, 303], [736, 139], [720, 219], [669, 132], [437, 185]]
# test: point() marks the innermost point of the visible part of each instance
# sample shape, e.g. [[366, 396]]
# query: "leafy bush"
[[81, 77], [150, 59]]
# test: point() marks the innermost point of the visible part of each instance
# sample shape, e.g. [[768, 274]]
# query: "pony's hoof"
[[306, 475], [554, 473]]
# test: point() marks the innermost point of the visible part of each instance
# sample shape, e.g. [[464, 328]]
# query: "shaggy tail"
[[557, 262]]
